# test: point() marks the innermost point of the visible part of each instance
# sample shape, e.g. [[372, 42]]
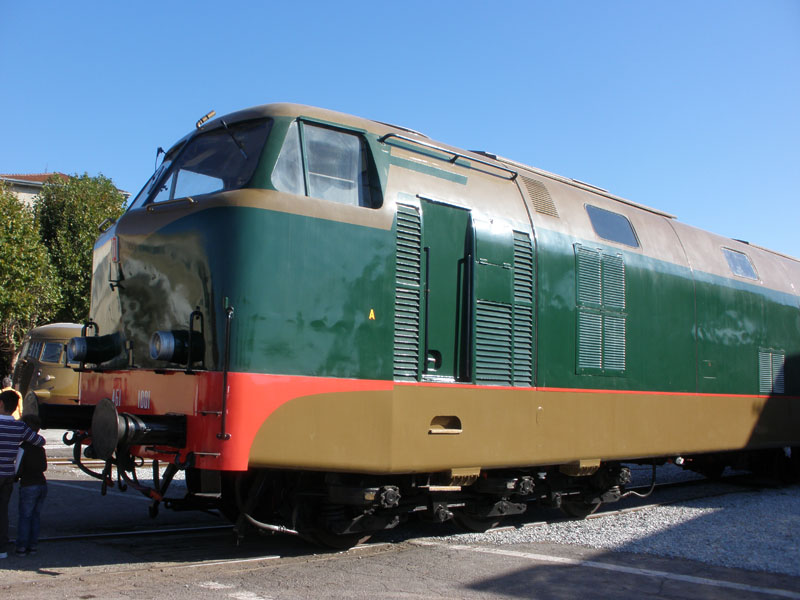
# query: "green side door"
[[447, 242]]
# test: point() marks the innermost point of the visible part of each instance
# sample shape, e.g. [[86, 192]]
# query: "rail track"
[[663, 493]]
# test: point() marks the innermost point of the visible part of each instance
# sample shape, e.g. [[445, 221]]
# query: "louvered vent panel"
[[589, 278], [523, 346], [590, 340], [614, 342], [765, 372], [540, 197], [523, 309], [771, 378], [613, 282], [407, 293], [778, 364], [493, 343], [523, 268]]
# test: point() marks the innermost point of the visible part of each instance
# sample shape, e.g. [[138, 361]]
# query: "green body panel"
[[735, 321], [309, 295], [316, 297], [685, 331], [284, 325]]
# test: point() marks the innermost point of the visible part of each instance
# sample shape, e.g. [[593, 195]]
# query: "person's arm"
[[34, 438]]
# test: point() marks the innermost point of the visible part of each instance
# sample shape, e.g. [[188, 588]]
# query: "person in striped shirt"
[[12, 434]]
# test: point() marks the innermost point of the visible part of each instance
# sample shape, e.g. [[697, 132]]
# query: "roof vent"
[[540, 197]]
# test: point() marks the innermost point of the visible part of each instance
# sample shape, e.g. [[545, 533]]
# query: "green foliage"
[[69, 213], [29, 291]]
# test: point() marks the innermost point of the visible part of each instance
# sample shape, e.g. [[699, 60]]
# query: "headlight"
[[95, 350], [173, 346]]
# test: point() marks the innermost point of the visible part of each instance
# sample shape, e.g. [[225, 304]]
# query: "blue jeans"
[[31, 499]]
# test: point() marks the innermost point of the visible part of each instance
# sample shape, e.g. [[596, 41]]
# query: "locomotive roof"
[[382, 129]]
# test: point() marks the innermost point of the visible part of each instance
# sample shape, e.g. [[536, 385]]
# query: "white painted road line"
[[619, 569], [233, 561]]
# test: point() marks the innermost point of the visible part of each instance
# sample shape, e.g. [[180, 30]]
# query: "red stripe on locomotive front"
[[251, 399]]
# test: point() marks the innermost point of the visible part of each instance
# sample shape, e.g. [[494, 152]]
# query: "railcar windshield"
[[221, 159]]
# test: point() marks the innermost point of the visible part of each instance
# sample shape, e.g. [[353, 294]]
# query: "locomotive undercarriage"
[[343, 509], [340, 509]]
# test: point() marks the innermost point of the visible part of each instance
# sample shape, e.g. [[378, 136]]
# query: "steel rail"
[[127, 534]]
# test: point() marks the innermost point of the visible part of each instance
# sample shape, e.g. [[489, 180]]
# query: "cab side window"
[[288, 173], [325, 163]]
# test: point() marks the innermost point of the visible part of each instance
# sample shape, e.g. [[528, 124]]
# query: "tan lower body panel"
[[400, 431]]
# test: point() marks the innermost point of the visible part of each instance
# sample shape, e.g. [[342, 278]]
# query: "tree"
[[68, 213], [28, 286]]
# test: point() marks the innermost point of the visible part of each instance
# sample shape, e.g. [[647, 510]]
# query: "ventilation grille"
[[589, 276], [523, 268], [540, 197], [614, 342], [771, 366], [407, 293], [600, 301], [590, 340], [613, 282], [523, 309], [493, 342]]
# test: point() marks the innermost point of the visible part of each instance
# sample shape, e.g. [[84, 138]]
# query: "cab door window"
[[325, 163]]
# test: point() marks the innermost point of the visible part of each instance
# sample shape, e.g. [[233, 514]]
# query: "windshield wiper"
[[233, 137]]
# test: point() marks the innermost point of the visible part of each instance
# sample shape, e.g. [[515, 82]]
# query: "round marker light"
[[162, 346], [173, 346]]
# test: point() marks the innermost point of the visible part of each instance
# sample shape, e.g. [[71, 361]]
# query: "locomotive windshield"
[[218, 160]]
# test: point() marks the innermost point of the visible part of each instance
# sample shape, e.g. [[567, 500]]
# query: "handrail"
[[224, 435], [154, 205], [456, 155]]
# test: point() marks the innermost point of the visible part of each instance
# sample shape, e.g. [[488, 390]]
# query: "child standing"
[[32, 491], [11, 434]]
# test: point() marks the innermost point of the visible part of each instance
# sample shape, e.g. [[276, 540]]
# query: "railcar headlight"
[[173, 346], [95, 350]]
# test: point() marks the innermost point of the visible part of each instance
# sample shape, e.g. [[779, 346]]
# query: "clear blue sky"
[[692, 107]]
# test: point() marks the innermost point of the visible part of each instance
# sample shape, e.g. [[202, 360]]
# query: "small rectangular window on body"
[[740, 264], [612, 226]]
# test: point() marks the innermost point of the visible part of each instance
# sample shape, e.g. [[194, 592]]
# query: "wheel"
[[712, 471], [229, 502], [578, 508], [474, 523], [315, 522]]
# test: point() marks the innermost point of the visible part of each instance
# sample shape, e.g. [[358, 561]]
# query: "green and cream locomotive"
[[331, 323]]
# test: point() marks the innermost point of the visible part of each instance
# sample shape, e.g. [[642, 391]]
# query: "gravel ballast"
[[755, 529]]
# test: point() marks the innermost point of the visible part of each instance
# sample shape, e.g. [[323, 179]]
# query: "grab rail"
[[456, 155]]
